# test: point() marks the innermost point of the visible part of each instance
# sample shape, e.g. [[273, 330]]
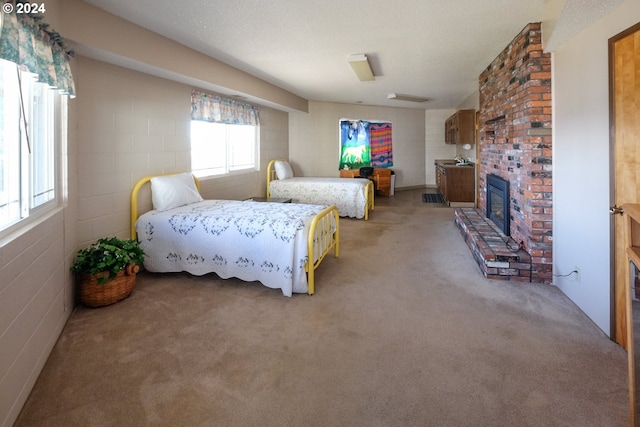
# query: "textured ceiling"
[[430, 48], [577, 15]]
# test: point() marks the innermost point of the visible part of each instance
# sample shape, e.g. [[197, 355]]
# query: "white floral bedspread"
[[349, 195], [244, 239]]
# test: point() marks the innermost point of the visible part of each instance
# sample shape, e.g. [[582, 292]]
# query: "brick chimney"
[[515, 142]]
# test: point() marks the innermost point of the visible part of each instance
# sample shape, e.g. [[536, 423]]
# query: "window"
[[219, 148], [225, 135], [29, 144]]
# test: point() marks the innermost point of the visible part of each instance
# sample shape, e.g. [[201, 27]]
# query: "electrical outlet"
[[578, 273]]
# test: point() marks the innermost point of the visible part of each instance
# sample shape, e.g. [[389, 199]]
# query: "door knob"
[[615, 210]]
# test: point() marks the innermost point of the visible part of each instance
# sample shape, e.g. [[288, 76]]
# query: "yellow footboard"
[[370, 199], [324, 234]]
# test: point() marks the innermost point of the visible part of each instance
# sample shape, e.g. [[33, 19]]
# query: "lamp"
[[361, 67], [400, 97]]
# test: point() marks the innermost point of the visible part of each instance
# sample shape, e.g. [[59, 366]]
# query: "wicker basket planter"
[[106, 270], [95, 294]]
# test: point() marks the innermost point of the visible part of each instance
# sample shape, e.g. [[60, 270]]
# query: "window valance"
[[28, 41], [213, 108]]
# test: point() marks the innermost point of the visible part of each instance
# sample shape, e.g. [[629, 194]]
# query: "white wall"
[[35, 302], [581, 156], [472, 102], [435, 148], [314, 144]]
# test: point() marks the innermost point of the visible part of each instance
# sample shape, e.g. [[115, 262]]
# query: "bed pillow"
[[283, 169], [168, 192]]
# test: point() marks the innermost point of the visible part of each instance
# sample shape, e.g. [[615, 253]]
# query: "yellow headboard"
[[271, 174], [134, 199]]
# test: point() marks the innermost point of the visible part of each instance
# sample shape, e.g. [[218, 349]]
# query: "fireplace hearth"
[[498, 203], [498, 257]]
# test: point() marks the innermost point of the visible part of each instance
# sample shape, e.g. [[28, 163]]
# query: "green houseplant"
[[107, 270]]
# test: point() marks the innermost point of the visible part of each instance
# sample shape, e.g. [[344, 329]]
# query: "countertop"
[[452, 163]]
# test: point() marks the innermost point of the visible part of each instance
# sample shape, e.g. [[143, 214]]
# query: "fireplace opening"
[[498, 202]]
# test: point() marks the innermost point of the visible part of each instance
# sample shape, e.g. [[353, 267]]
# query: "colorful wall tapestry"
[[381, 149], [364, 143]]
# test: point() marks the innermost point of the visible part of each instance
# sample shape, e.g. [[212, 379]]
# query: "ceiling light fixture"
[[400, 97], [361, 67]]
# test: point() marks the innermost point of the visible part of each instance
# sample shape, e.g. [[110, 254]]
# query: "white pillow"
[[283, 169], [168, 192]]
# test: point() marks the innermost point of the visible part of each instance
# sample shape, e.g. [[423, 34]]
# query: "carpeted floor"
[[403, 330]]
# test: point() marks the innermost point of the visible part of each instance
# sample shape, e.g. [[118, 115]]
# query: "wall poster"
[[365, 143]]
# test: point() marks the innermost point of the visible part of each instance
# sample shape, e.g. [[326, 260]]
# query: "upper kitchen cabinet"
[[460, 128]]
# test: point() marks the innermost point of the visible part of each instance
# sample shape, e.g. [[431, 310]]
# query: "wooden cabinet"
[[460, 128], [384, 181], [456, 183], [625, 298], [382, 177], [632, 232]]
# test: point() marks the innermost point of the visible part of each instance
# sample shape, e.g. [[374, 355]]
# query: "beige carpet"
[[403, 331]]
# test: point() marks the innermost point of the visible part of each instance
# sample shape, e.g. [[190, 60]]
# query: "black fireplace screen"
[[498, 202]]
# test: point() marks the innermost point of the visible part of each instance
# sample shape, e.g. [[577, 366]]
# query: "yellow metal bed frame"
[[134, 200], [369, 192], [324, 232]]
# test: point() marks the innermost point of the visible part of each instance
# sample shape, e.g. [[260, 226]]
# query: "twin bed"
[[353, 197], [279, 244]]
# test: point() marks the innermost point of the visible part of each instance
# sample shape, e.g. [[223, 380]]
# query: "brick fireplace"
[[515, 143]]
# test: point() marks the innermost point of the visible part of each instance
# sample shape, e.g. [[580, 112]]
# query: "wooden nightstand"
[[382, 177]]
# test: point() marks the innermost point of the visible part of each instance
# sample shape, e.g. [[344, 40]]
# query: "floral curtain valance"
[[29, 42], [213, 108]]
